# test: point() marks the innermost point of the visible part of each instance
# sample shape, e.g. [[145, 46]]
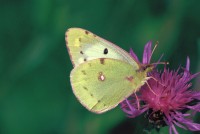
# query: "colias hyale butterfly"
[[103, 74]]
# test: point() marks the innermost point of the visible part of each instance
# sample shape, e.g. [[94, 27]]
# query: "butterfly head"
[[146, 68], [149, 67]]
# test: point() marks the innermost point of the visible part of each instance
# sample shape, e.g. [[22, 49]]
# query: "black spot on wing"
[[105, 51], [83, 71], [81, 52], [85, 88]]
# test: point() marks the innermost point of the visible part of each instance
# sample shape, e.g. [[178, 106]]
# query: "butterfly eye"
[[144, 68], [105, 51]]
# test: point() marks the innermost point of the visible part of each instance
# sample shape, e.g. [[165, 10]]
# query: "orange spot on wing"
[[102, 61], [130, 78]]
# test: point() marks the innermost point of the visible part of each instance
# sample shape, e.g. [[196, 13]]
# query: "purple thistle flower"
[[170, 100]]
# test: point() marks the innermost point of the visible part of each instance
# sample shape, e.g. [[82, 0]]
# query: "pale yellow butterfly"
[[103, 74]]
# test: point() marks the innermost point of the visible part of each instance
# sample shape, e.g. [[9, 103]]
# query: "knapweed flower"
[[167, 99]]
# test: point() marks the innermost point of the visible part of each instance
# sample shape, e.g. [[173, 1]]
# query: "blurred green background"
[[35, 92]]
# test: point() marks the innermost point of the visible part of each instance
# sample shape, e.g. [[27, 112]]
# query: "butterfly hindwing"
[[101, 84]]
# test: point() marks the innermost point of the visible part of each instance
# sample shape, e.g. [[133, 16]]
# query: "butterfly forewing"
[[101, 84], [84, 45]]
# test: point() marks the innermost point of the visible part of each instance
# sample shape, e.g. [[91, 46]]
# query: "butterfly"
[[104, 74]]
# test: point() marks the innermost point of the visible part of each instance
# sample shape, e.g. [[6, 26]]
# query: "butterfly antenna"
[[154, 49], [162, 63]]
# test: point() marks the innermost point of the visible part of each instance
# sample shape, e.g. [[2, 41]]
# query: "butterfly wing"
[[101, 84], [84, 45]]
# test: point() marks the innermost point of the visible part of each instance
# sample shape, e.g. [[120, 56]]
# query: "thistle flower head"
[[167, 98]]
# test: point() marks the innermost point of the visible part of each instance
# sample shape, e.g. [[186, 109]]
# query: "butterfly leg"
[[138, 102], [151, 88], [156, 80]]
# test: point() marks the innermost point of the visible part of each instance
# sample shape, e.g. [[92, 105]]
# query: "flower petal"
[[188, 64], [196, 95], [170, 130], [179, 125], [174, 129], [147, 53], [195, 75], [188, 123], [195, 107], [131, 110], [133, 55]]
